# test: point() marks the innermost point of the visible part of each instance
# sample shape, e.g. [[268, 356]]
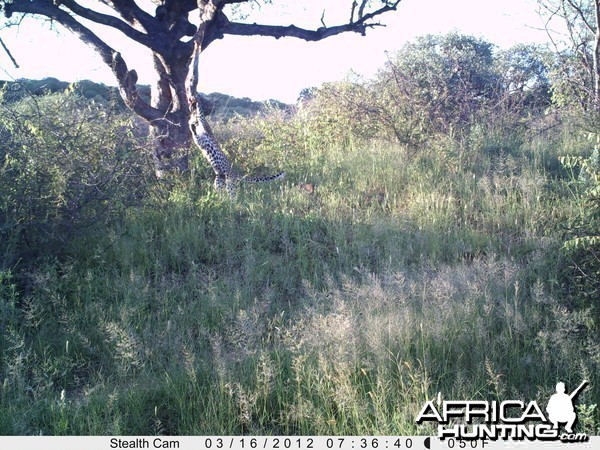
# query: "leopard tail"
[[266, 179]]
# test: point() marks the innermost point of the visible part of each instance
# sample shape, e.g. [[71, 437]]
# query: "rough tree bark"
[[176, 44]]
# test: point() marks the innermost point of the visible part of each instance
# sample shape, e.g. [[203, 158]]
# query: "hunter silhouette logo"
[[560, 407], [509, 419]]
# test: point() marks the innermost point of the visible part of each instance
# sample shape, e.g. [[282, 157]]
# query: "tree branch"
[[361, 10], [131, 12], [13, 60], [126, 78], [253, 29], [157, 45], [48, 9], [360, 24], [162, 97], [582, 16], [352, 11]]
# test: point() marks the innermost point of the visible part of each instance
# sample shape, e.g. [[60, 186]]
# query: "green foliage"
[[24, 88], [435, 85], [226, 107], [524, 72], [451, 77], [362, 110], [571, 81], [583, 228], [222, 105], [66, 165], [573, 28]]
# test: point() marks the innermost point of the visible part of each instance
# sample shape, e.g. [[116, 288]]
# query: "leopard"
[[225, 176]]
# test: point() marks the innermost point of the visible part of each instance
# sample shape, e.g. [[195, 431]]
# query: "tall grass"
[[373, 279]]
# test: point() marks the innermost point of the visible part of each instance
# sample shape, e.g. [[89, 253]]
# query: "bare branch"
[[126, 78], [360, 25], [247, 29], [361, 10], [582, 16], [352, 10], [192, 82], [14, 61], [113, 22], [159, 37], [48, 9], [127, 85], [162, 97]]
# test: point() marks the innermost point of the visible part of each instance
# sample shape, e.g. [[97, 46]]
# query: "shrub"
[[66, 165], [448, 79], [582, 245], [434, 85]]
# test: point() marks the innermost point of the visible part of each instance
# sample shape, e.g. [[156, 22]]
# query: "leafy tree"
[[447, 79], [578, 49], [175, 33], [437, 84], [524, 77], [576, 84]]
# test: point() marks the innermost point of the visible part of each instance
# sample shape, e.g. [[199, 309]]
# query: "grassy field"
[[374, 278]]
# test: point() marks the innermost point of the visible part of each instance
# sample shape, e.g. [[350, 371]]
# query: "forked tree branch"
[[162, 33], [582, 16], [116, 23], [48, 9], [126, 78], [53, 10], [359, 23]]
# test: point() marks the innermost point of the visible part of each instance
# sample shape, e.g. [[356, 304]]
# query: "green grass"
[[403, 275]]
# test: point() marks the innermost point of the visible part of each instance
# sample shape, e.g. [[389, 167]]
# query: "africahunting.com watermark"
[[510, 419]]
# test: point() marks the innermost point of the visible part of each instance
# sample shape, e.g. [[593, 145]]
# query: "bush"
[[583, 229], [67, 165], [448, 78], [435, 85]]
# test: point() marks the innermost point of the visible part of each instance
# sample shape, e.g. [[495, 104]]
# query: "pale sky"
[[262, 68]]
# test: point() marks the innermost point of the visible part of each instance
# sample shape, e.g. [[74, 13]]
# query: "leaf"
[[581, 243]]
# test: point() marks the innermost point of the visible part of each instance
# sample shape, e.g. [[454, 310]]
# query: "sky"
[[264, 68]]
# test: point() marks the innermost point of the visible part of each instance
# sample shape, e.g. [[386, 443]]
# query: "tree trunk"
[[176, 85], [170, 133], [171, 139]]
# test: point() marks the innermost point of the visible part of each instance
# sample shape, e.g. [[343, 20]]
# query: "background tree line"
[[222, 105]]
